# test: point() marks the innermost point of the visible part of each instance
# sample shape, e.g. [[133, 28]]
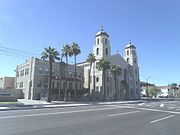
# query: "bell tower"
[[131, 55], [101, 48], [131, 58]]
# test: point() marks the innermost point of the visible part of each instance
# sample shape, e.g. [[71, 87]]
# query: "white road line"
[[147, 109], [154, 121], [35, 109], [67, 112], [118, 114]]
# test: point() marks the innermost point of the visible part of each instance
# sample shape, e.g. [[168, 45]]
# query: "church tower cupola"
[[101, 48]]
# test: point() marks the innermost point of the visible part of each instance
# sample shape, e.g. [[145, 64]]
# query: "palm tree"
[[75, 51], [115, 71], [91, 59], [51, 54], [66, 52], [103, 65]]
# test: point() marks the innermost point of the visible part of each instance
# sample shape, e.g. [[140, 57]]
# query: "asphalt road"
[[112, 119]]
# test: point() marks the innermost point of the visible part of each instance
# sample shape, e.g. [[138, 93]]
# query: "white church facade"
[[128, 83]]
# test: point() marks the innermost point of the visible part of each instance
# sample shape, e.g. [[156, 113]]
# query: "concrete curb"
[[61, 105]]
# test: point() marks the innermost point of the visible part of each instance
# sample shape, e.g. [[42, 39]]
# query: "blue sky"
[[152, 25]]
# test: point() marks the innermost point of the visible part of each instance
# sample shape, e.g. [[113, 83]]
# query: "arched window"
[[97, 79], [127, 52], [127, 60], [97, 51], [106, 51], [106, 41], [98, 41]]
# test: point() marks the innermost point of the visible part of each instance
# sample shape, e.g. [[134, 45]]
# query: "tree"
[[115, 71], [66, 52], [91, 59], [103, 65], [75, 51], [153, 91], [173, 88], [51, 54]]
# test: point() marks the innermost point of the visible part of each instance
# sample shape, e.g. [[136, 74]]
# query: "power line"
[[16, 53], [17, 50]]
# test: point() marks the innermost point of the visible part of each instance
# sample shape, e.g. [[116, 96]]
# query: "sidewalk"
[[23, 104]]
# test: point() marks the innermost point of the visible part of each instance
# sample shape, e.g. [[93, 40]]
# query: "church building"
[[128, 84]]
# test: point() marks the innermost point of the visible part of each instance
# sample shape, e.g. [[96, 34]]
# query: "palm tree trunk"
[[65, 91], [104, 85], [50, 80], [75, 91], [89, 78], [60, 77], [94, 81], [115, 87]]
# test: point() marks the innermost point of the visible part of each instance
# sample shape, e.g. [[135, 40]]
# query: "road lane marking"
[[66, 112], [154, 121], [119, 114], [147, 109]]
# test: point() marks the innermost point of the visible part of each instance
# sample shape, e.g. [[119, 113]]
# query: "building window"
[[40, 70], [26, 71], [98, 41], [46, 84], [46, 71], [134, 60], [107, 79], [70, 74], [76, 86], [70, 86], [127, 60], [21, 85], [64, 85], [53, 71], [62, 73], [97, 79], [131, 93], [17, 85], [136, 83], [80, 86], [135, 72], [22, 73], [106, 51], [106, 41], [97, 51], [53, 84], [127, 52], [79, 75], [107, 89], [17, 73], [131, 82], [39, 84]]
